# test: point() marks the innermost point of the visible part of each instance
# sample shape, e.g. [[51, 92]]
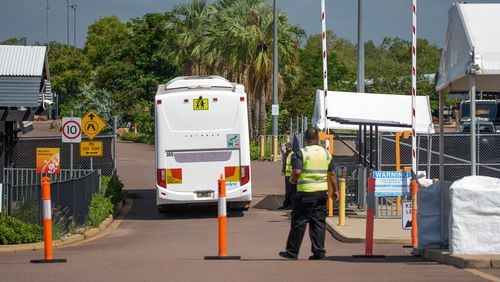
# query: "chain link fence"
[[457, 153], [24, 153], [350, 151]]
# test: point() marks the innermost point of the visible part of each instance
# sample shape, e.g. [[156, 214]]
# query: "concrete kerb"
[[338, 234], [460, 261], [120, 213]]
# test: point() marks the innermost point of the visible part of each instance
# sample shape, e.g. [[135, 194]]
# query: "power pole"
[[67, 21], [74, 25], [48, 37], [275, 110], [361, 49]]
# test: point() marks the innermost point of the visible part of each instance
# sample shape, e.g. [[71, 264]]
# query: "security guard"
[[286, 171], [313, 168]]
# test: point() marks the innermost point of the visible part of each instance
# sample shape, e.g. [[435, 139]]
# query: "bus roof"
[[212, 82], [198, 81]]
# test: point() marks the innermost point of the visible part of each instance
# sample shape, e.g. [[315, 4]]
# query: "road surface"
[[149, 246]]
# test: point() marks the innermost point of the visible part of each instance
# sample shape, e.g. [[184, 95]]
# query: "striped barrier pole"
[[325, 89], [47, 224], [414, 185], [370, 221], [222, 217]]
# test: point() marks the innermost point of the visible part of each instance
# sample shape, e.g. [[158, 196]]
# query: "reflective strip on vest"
[[288, 166], [315, 169]]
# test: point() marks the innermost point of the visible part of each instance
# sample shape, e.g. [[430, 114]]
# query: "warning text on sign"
[[392, 183]]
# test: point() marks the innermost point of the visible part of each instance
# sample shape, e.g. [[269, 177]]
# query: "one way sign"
[[92, 124], [407, 209]]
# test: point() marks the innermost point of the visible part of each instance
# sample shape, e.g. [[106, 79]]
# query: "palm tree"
[[190, 28], [243, 32], [234, 38]]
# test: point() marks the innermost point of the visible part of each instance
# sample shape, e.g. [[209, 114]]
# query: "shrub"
[[29, 211], [14, 231], [114, 189], [62, 222], [104, 182], [100, 208], [140, 138], [254, 151]]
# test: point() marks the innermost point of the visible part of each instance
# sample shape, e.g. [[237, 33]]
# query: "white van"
[[201, 131]]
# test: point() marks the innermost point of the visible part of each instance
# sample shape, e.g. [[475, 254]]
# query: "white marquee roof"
[[475, 27], [375, 108]]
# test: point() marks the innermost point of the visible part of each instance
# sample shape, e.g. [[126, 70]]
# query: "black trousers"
[[308, 208], [290, 190]]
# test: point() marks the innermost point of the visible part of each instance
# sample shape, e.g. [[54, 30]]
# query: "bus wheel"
[[240, 206]]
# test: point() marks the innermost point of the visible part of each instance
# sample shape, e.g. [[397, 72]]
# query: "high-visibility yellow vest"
[[315, 161], [288, 165]]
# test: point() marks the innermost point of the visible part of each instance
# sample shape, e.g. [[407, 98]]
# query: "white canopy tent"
[[376, 108], [470, 60]]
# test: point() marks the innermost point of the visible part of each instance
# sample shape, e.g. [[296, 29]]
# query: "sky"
[[28, 18]]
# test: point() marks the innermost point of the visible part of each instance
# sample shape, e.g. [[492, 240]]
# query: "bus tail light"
[[245, 174], [161, 177]]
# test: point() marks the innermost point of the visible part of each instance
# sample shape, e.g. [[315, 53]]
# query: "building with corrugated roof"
[[24, 91]]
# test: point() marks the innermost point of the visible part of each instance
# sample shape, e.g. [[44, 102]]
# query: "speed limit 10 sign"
[[71, 130]]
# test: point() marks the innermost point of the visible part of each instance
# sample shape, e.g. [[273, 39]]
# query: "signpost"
[[48, 160], [1, 197], [407, 218], [392, 183]]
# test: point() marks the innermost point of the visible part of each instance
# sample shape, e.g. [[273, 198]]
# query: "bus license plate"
[[204, 194]]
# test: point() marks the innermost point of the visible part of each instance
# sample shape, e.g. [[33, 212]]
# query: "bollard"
[[275, 148], [330, 200], [47, 224], [414, 226], [342, 202], [262, 147], [222, 217], [370, 221]]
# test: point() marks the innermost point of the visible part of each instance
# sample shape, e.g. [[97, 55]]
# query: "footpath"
[[389, 231]]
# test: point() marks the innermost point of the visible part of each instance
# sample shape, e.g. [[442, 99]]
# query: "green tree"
[[15, 41], [300, 99], [69, 70], [242, 35], [189, 29]]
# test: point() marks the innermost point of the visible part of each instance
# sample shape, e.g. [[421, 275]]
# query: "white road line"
[[482, 274]]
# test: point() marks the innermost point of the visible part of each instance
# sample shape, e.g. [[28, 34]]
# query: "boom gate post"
[[47, 224], [323, 137], [414, 226], [370, 220], [222, 207]]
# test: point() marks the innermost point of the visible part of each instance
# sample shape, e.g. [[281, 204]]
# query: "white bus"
[[201, 133]]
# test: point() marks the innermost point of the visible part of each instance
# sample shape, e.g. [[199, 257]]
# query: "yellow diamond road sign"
[[91, 149], [92, 124]]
